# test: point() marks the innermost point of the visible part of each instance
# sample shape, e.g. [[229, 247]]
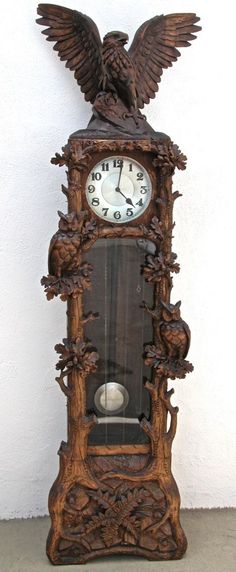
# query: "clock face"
[[118, 189]]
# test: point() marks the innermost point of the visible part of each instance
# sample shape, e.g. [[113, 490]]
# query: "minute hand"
[[128, 201], [121, 167]]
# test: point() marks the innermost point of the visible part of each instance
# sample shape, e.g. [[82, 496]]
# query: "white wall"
[[40, 106]]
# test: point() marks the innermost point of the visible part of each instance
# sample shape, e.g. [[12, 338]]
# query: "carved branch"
[[176, 195], [156, 525], [90, 317], [165, 398], [147, 427], [65, 389]]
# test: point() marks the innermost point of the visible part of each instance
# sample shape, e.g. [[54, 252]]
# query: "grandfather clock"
[[111, 260]]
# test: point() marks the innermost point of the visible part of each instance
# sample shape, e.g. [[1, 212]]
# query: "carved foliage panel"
[[122, 514]]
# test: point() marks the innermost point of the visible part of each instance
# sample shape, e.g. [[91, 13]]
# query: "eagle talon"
[[135, 116]]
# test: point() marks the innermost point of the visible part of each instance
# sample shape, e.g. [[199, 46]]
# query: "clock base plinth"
[[136, 515]]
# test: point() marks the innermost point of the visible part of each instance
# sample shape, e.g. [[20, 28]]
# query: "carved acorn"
[[174, 332], [65, 244]]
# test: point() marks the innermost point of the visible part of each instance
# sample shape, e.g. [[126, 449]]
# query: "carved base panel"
[[136, 515]]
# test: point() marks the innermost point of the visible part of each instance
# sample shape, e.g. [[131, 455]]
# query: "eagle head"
[[114, 38]]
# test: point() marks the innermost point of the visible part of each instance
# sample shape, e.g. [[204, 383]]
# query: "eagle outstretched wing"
[[78, 43], [154, 48]]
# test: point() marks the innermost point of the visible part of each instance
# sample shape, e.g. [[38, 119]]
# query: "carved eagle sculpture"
[[131, 76]]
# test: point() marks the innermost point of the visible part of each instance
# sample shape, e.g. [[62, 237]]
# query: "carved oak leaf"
[[59, 160], [169, 157], [89, 229], [156, 267], [62, 159], [81, 158], [153, 355], [76, 354], [154, 231], [71, 285], [153, 269], [173, 368], [179, 159], [156, 227]]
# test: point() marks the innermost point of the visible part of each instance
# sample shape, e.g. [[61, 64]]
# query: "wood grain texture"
[[119, 499]]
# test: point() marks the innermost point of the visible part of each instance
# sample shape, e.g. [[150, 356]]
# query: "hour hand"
[[128, 201]]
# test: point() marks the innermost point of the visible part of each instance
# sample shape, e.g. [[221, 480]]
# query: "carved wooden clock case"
[[111, 260]]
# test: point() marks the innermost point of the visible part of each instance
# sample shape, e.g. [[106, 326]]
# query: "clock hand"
[[126, 199], [121, 167]]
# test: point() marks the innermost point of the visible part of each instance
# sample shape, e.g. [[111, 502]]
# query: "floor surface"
[[211, 536]]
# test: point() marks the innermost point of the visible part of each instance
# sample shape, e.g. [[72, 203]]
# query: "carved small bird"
[[174, 332], [132, 75], [64, 244]]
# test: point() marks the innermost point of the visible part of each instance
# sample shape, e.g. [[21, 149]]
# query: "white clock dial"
[[118, 189]]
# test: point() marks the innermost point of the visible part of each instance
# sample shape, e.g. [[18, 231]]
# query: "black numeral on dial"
[[117, 163], [143, 190], [129, 212], [95, 202], [105, 166], [91, 188], [105, 211], [117, 215], [96, 176], [139, 176]]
